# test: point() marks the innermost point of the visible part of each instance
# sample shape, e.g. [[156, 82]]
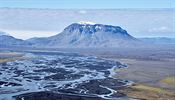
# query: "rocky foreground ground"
[[66, 76]]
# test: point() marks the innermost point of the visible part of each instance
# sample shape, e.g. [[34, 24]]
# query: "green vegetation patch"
[[169, 80]]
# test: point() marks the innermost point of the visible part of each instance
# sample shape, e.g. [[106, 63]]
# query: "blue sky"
[[142, 21], [87, 4], [27, 23]]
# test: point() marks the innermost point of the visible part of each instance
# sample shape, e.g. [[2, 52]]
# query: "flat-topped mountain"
[[88, 34]]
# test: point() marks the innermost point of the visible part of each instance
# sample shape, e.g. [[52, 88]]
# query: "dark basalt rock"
[[98, 87], [9, 84], [93, 87], [19, 72], [36, 78], [54, 96], [53, 70], [63, 76], [89, 29], [66, 76]]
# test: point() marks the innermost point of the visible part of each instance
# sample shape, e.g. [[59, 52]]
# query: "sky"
[[141, 18], [87, 4]]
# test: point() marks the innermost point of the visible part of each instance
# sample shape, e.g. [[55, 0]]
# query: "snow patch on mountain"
[[86, 23]]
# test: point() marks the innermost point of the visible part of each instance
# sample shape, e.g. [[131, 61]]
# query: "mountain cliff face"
[[88, 35]]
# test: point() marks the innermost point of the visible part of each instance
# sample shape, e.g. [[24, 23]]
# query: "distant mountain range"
[[158, 40], [7, 40], [84, 34]]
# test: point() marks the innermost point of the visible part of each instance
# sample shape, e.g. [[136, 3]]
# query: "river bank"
[[153, 79]]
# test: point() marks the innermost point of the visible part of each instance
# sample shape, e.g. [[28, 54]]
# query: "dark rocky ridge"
[[90, 29], [55, 96]]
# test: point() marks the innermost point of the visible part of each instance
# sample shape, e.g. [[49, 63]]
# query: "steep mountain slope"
[[87, 34], [39, 41]]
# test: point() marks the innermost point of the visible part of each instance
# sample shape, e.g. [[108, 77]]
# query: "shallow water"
[[62, 73]]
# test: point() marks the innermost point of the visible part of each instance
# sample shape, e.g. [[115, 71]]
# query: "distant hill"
[[158, 40], [7, 40], [88, 34]]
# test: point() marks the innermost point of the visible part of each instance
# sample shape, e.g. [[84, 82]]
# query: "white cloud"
[[159, 29], [21, 34], [82, 11], [47, 22]]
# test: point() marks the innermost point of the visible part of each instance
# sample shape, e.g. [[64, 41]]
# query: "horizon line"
[[88, 8]]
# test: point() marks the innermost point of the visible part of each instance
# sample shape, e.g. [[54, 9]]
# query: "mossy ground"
[[169, 80], [146, 92], [10, 56]]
